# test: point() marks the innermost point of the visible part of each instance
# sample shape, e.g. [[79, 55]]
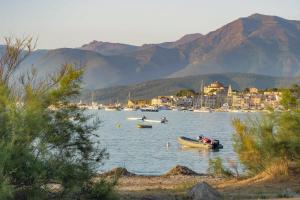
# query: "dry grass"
[[279, 168], [262, 186]]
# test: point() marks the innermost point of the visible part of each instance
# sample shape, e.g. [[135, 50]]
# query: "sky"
[[72, 23]]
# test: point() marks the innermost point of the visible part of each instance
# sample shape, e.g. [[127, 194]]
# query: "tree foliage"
[[216, 167], [186, 92], [271, 142], [44, 138]]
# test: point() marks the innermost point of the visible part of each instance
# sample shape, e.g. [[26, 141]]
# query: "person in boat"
[[164, 120], [144, 117], [203, 139], [206, 140], [200, 137]]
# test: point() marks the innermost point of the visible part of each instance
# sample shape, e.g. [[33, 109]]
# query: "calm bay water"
[[145, 151]]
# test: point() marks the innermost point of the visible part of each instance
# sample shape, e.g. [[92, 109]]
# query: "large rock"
[[181, 170], [119, 171], [203, 191]]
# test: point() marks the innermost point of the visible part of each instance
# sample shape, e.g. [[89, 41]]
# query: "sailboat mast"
[[201, 98], [129, 96], [93, 97]]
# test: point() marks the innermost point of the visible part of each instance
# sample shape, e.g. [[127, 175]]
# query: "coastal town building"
[[163, 101], [138, 103], [213, 88], [253, 90], [216, 96]]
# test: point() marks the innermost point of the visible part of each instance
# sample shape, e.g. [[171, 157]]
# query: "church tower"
[[229, 92]]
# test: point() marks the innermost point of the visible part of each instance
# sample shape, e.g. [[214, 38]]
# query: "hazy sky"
[[71, 23]]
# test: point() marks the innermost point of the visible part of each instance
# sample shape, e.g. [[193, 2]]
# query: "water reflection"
[[202, 151]]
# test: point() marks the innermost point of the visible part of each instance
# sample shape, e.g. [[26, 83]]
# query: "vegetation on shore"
[[46, 143], [270, 143]]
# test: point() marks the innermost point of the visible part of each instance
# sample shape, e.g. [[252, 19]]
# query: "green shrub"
[[270, 142], [216, 167], [101, 190], [44, 138]]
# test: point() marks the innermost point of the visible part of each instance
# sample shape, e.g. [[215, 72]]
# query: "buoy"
[[118, 125], [168, 144]]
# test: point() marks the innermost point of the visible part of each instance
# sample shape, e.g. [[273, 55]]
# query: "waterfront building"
[[163, 101], [138, 103], [213, 88], [237, 101], [253, 90]]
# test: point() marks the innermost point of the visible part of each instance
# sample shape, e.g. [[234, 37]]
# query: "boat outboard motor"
[[216, 144]]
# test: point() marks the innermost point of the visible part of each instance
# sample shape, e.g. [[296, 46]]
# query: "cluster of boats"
[[143, 109], [157, 109], [201, 142]]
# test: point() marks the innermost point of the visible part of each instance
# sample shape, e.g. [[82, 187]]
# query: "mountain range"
[[259, 44]]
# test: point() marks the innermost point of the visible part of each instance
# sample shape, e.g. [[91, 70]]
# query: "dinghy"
[[143, 126], [188, 142]]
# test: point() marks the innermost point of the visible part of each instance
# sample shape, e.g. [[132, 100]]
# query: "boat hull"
[[143, 126], [149, 109], [193, 143], [112, 109], [184, 141], [130, 109]]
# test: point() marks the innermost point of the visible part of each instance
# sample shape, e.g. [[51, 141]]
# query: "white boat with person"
[[145, 119]]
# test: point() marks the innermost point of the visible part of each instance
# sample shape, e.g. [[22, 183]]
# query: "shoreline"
[[179, 180]]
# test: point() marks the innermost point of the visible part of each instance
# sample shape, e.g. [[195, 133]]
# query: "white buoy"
[[168, 144]]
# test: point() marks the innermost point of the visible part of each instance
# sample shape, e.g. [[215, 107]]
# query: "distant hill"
[[150, 89], [258, 44], [105, 71], [108, 48], [183, 40]]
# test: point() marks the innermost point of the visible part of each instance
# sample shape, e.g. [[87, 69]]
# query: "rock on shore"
[[203, 191], [181, 170]]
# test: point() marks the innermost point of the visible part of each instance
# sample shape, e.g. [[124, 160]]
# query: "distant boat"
[[163, 120], [112, 108], [235, 110], [129, 109], [164, 108], [203, 110], [188, 142], [143, 126], [149, 109]]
